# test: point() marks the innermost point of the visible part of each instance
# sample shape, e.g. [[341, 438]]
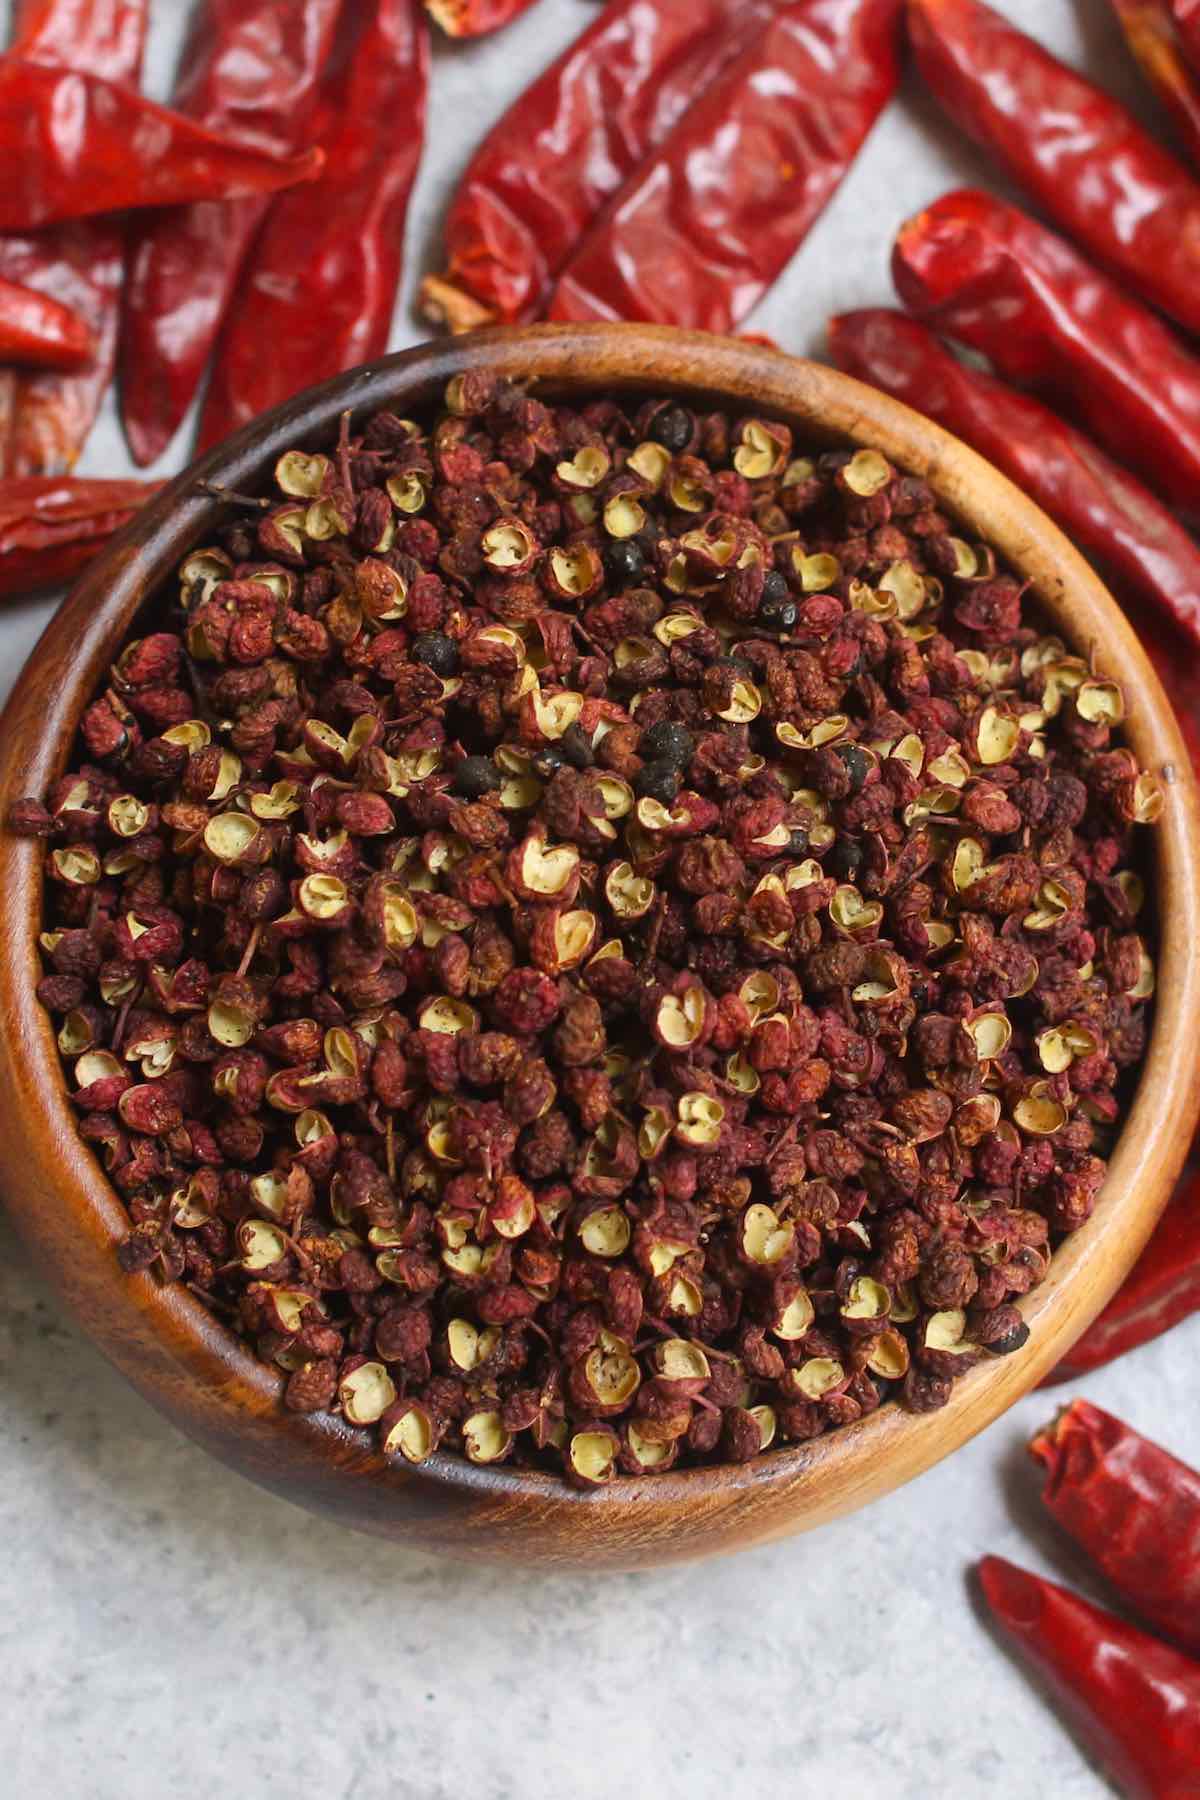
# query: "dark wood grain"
[[201, 1377]]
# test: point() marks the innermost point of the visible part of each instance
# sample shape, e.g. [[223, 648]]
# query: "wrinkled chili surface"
[[602, 938]]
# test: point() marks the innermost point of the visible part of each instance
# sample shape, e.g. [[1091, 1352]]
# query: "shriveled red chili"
[[251, 71], [1104, 508], [703, 228], [474, 18], [992, 277], [1133, 1702], [36, 329], [45, 416], [321, 281], [1186, 14], [1163, 1289], [1080, 154], [76, 145], [1134, 1508], [542, 174], [1154, 42], [50, 527]]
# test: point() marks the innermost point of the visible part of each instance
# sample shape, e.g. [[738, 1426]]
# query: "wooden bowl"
[[203, 1378]]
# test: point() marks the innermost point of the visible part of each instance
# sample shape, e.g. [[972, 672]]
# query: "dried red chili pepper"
[[321, 281], [36, 329], [1133, 1701], [992, 277], [1084, 159], [474, 18], [1100, 505], [49, 527], [1163, 1289], [1134, 1508], [700, 232], [45, 417], [543, 172], [1186, 14], [78, 145], [250, 71], [1155, 45]]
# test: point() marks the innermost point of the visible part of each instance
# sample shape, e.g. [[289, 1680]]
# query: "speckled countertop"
[[168, 1632]]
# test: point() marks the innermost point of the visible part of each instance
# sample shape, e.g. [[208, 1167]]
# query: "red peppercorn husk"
[[702, 229], [543, 172], [320, 283], [250, 71], [45, 417], [1074, 149], [80, 145], [474, 18], [51, 526], [36, 329], [1135, 1510], [1162, 1290], [1133, 1702], [990, 276], [1154, 42], [1100, 505]]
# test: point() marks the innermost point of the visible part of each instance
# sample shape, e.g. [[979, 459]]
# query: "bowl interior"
[[204, 1377]]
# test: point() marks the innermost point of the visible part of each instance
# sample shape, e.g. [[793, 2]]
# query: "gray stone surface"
[[166, 1630]]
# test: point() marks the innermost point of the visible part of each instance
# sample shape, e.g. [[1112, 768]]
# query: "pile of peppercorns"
[[596, 938]]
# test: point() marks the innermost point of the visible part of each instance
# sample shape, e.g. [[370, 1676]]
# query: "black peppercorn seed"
[[577, 747], [436, 651], [845, 858], [624, 562], [1016, 1340], [672, 428], [476, 776], [798, 842], [668, 742], [857, 764], [548, 761], [775, 588], [657, 781], [779, 615]]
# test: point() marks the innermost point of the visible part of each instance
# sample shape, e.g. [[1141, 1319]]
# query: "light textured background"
[[168, 1630]]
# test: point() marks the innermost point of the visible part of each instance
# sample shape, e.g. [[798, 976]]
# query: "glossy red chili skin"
[[539, 178], [38, 330], [1101, 506], [1082, 157], [1186, 14], [49, 527], [1155, 44], [320, 284], [251, 71], [474, 18], [992, 277], [45, 417], [1164, 1286], [79, 145], [702, 229], [1134, 1508], [1133, 1702]]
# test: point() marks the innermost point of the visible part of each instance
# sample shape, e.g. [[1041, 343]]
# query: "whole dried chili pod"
[[250, 70], [992, 277], [1133, 1702], [474, 18], [44, 416], [1155, 44], [36, 329], [1101, 506], [703, 228], [76, 145], [544, 171], [1078, 152], [1164, 1287], [51, 526], [1134, 1508], [321, 281]]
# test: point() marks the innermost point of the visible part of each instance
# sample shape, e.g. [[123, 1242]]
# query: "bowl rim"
[[166, 1340]]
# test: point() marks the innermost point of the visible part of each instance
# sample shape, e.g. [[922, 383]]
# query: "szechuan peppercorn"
[[596, 1009]]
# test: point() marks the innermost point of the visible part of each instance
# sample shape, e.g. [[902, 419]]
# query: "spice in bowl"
[[598, 936]]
